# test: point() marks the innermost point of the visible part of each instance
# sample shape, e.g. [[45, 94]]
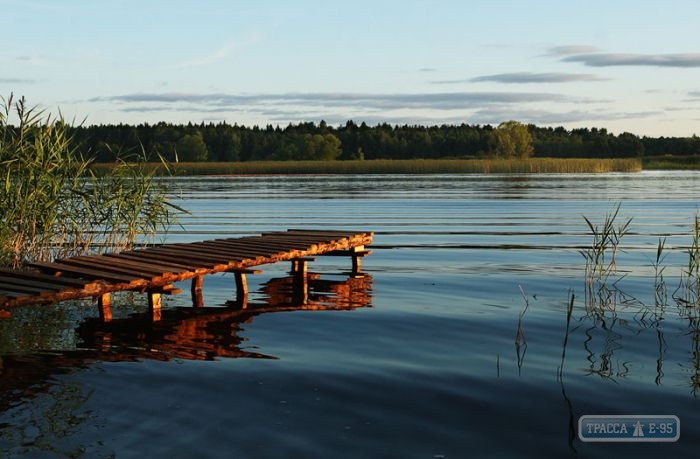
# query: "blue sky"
[[624, 65]]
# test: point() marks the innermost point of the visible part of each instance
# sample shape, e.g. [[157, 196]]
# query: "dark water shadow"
[[189, 333]]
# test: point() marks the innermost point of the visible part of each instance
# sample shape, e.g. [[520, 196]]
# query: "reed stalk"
[[601, 256], [660, 290]]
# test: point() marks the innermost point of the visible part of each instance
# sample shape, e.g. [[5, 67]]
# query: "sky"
[[627, 66]]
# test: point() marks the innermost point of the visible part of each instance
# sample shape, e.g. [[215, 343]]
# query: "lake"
[[471, 334]]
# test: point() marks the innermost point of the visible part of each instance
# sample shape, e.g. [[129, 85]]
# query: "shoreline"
[[382, 166]]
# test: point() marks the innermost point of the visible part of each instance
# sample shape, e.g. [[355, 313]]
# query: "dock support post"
[[242, 285], [197, 297], [154, 305], [300, 265], [241, 289], [103, 305]]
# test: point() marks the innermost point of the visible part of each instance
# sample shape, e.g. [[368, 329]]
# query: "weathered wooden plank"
[[88, 273], [266, 244], [111, 266], [61, 280], [219, 249], [183, 256], [274, 244], [208, 260], [192, 249], [31, 283], [298, 239], [22, 289], [239, 252], [9, 292], [159, 258], [150, 265], [251, 250]]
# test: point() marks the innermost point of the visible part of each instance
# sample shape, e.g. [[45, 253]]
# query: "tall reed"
[[660, 290], [52, 205], [601, 256], [688, 291]]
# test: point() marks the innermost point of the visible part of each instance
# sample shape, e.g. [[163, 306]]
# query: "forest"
[[223, 142]]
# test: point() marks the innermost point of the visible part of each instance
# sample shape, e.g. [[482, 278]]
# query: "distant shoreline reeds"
[[410, 166]]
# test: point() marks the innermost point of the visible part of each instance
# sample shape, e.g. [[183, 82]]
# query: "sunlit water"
[[452, 345]]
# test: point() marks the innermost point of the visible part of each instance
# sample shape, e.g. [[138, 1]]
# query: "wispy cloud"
[[217, 55], [17, 81], [413, 108], [530, 77], [621, 59], [492, 115], [369, 101], [221, 53], [571, 49]]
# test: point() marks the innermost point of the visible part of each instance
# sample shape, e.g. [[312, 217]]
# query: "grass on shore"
[[410, 166], [690, 163]]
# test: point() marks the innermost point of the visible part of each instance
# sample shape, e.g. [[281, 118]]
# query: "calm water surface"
[[455, 343]]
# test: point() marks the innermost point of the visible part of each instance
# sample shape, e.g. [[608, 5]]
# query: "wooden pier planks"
[[155, 268]]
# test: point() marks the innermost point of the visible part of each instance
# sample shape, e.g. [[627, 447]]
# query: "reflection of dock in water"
[[191, 333], [205, 333]]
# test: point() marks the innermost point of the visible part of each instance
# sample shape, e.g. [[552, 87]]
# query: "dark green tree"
[[191, 147], [321, 147]]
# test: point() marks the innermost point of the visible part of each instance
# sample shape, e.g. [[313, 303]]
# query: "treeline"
[[310, 141]]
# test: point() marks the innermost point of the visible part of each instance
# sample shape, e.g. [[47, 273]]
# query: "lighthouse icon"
[[638, 432]]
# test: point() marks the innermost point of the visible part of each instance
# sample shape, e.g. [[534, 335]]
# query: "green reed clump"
[[601, 256], [688, 291], [52, 205]]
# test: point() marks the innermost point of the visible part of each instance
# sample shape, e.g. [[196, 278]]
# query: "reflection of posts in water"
[[317, 293], [204, 333], [300, 279]]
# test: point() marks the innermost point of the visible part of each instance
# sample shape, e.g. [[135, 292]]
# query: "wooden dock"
[[153, 270]]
